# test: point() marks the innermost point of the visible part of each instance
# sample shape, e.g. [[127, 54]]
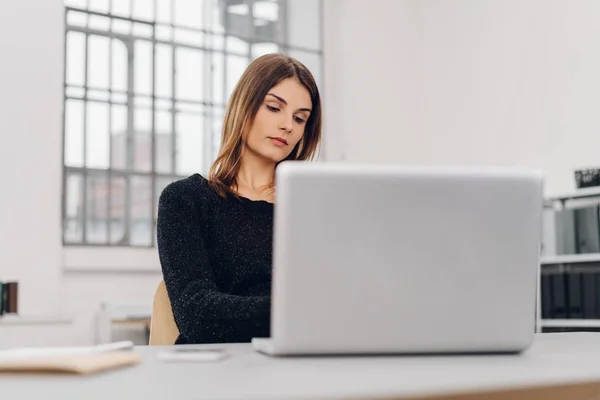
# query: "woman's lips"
[[279, 141]]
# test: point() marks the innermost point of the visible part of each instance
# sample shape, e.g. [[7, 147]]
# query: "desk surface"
[[554, 359]]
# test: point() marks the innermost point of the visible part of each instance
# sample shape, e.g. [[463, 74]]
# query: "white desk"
[[558, 366]]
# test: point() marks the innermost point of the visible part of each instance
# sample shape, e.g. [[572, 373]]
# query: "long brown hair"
[[256, 81]]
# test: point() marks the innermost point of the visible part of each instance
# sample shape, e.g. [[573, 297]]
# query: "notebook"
[[74, 360]]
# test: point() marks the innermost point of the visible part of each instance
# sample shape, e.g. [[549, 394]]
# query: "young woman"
[[215, 234]]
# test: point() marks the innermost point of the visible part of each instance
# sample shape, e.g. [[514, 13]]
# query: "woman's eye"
[[271, 108], [299, 120]]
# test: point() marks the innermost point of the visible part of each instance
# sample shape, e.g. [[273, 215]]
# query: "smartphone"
[[191, 354]]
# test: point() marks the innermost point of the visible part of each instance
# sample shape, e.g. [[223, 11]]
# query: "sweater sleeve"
[[203, 314]]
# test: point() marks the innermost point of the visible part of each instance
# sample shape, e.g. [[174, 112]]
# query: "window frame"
[[210, 111]]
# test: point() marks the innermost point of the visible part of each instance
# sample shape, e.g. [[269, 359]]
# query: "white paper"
[[28, 352]]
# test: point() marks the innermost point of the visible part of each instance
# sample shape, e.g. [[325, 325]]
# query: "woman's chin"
[[275, 157]]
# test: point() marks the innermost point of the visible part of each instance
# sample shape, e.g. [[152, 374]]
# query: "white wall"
[[31, 37], [373, 71], [468, 82], [518, 80]]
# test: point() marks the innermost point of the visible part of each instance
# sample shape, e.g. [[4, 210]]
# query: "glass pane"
[[238, 8], [117, 209], [142, 9], [189, 13], [237, 46], [303, 24], [119, 98], [121, 8], [164, 139], [96, 209], [99, 95], [164, 70], [98, 50], [76, 3], [260, 49], [99, 5], [118, 143], [142, 140], [164, 153], [74, 133], [75, 58], [164, 32], [189, 37], [266, 10], [218, 77], [189, 65], [120, 26], [312, 61], [189, 107], [74, 209], [143, 120], [238, 22], [164, 122], [189, 142], [235, 68], [97, 132], [142, 30], [163, 10], [75, 92], [77, 18], [143, 67], [99, 23], [266, 21], [161, 104], [216, 42], [141, 221], [143, 102]]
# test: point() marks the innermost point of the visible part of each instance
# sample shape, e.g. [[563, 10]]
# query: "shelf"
[[570, 259], [16, 319], [570, 323], [578, 194]]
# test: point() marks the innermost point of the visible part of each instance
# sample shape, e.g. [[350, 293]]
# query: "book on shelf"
[[573, 293], [9, 297]]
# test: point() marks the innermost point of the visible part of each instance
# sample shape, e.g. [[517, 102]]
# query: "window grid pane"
[[145, 96], [117, 213], [73, 208], [96, 218]]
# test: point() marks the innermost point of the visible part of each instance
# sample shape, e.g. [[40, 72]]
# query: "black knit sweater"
[[216, 262]]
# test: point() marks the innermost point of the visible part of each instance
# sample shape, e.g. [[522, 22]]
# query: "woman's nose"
[[286, 124]]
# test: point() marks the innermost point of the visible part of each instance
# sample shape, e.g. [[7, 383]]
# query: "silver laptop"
[[381, 259]]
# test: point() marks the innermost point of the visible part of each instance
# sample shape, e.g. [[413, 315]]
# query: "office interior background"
[[104, 102]]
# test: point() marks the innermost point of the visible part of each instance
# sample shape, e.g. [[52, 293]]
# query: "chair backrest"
[[163, 329]]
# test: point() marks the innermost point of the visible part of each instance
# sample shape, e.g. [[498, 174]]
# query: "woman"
[[215, 235]]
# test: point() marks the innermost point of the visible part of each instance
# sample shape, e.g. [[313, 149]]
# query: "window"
[[146, 83]]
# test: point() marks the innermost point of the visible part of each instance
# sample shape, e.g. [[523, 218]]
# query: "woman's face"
[[280, 121]]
